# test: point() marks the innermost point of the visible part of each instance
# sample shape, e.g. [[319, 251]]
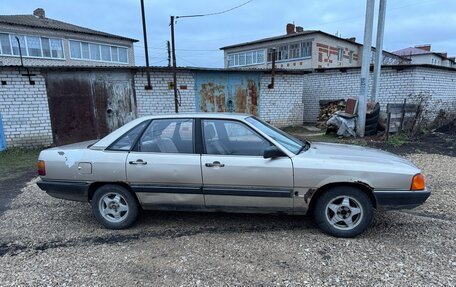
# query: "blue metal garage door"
[[227, 92], [2, 135]]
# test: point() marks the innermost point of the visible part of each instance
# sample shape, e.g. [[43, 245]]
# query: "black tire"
[[370, 127], [375, 112], [372, 132], [358, 200], [119, 199], [373, 120]]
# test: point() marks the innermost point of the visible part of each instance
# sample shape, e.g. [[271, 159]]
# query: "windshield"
[[290, 143]]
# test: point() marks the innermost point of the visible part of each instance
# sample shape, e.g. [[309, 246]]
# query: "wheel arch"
[[95, 185], [364, 187]]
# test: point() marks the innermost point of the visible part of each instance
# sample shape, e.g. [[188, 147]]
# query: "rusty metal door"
[[88, 105], [227, 92]]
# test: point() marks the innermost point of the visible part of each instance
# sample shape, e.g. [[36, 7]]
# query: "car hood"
[[356, 154]]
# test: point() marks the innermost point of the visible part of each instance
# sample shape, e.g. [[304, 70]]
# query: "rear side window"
[[168, 136], [126, 142]]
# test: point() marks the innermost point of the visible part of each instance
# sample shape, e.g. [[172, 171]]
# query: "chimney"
[[290, 29], [351, 39], [39, 12], [299, 29], [424, 47]]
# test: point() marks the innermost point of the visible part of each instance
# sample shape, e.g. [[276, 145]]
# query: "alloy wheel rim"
[[344, 212], [113, 207]]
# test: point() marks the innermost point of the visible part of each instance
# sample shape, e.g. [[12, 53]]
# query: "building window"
[[75, 49], [123, 55], [105, 53], [283, 53], [31, 46], [306, 49], [350, 57], [340, 54], [247, 58], [295, 51], [97, 52], [34, 46], [94, 52], [15, 45], [85, 51], [46, 47], [114, 54], [291, 51], [5, 45]]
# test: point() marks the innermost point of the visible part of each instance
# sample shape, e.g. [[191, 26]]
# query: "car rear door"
[[236, 177], [163, 169]]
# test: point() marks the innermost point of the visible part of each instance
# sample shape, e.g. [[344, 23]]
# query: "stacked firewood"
[[327, 109]]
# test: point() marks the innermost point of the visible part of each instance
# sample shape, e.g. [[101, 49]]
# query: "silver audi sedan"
[[228, 163]]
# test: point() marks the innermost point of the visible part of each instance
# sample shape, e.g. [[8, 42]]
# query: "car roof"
[[200, 115]]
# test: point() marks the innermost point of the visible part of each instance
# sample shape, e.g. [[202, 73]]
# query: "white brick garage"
[[293, 100], [24, 108], [436, 86]]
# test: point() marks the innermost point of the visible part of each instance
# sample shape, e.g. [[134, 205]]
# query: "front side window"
[[168, 136], [290, 143], [226, 137]]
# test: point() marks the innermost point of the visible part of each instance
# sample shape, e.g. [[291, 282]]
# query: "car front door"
[[236, 177], [163, 169]]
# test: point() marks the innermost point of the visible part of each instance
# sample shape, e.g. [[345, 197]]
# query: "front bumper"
[[407, 199], [70, 190]]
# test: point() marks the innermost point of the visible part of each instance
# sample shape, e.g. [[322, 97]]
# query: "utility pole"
[[273, 56], [168, 48], [176, 106], [378, 50], [365, 66], [148, 86]]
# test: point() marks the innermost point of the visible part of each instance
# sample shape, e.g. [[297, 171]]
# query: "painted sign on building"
[[227, 92]]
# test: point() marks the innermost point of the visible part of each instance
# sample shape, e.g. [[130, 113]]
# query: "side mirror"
[[272, 152]]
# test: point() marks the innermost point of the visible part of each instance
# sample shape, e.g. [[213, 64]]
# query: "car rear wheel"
[[114, 206], [343, 211]]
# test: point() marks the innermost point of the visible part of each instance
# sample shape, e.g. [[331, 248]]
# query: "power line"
[[214, 13], [197, 50]]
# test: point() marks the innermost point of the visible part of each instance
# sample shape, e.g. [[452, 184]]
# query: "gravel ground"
[[46, 241]]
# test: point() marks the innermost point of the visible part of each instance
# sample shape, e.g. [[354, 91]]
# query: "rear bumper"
[[70, 190], [390, 199]]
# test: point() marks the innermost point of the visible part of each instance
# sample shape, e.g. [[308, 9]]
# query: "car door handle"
[[214, 164], [138, 161]]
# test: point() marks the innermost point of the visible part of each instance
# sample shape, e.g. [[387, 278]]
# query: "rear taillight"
[[41, 167], [418, 182]]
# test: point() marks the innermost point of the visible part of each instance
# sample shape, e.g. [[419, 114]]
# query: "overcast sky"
[[408, 23]]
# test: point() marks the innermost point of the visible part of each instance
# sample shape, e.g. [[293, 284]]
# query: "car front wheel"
[[343, 211], [114, 206]]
